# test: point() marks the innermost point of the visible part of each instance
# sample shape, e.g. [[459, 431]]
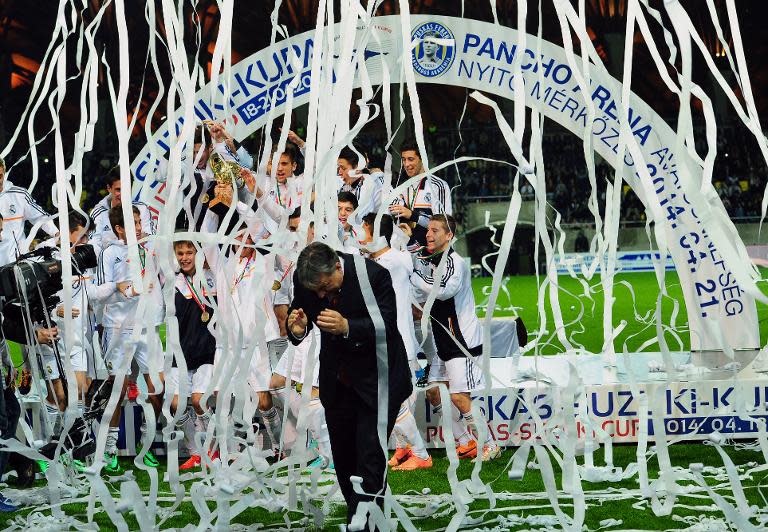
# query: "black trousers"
[[355, 445], [10, 411]]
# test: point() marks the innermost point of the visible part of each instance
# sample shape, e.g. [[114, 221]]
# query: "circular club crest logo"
[[434, 49]]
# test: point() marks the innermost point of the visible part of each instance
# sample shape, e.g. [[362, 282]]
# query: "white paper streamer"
[[242, 478]]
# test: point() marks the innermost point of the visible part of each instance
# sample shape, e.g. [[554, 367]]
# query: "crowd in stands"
[[738, 175], [739, 172]]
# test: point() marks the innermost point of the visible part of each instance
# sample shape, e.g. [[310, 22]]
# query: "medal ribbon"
[[279, 201], [242, 274], [194, 294], [429, 256], [143, 258], [411, 202], [287, 270]]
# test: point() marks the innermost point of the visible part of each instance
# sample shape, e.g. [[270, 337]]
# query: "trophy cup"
[[224, 173]]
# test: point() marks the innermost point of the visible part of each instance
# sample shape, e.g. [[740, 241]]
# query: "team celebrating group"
[[231, 318]]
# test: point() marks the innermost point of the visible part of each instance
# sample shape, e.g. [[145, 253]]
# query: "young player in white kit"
[[307, 350], [272, 206], [366, 187], [288, 190], [247, 324], [456, 329], [16, 208], [348, 235], [120, 301], [429, 195], [410, 452], [192, 298], [76, 342], [101, 229]]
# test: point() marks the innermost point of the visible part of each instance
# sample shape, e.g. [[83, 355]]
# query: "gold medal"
[[277, 284], [204, 317], [204, 198]]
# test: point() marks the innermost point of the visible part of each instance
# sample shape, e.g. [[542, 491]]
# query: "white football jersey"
[[120, 311], [102, 234], [16, 208], [400, 266]]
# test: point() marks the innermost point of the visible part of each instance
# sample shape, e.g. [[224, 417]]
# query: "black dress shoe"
[[522, 332]]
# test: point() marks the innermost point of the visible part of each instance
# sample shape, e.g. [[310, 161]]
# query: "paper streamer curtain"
[[349, 49]]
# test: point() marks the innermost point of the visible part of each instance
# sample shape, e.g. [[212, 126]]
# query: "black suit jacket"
[[355, 355]]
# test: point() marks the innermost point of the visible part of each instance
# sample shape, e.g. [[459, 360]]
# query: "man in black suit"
[[328, 294]]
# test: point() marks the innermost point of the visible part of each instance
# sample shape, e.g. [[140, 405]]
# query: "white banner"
[[689, 410], [626, 261], [479, 55]]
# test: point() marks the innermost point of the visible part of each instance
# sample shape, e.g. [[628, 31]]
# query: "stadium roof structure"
[[25, 31]]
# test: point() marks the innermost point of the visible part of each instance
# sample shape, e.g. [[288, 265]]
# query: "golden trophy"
[[225, 173]]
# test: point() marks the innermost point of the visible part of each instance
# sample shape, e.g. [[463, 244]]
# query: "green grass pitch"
[[495, 474], [521, 300]]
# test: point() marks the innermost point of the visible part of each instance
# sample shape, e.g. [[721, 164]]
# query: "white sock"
[[469, 421], [406, 425], [460, 429], [80, 408], [201, 424], [400, 442], [239, 432], [228, 440], [460, 433], [143, 431], [317, 426], [185, 423], [111, 444], [273, 423], [52, 413]]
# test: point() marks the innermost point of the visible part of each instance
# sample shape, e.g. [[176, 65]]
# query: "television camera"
[[32, 283], [29, 291]]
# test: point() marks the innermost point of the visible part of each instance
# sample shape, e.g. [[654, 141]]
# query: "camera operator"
[[12, 329], [9, 416], [10, 409], [77, 342]]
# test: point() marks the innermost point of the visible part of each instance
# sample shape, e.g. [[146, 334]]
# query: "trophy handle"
[[216, 200]]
